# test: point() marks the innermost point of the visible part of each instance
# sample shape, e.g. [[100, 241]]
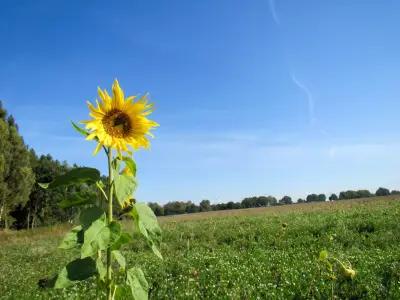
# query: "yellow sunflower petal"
[[118, 95], [99, 145], [91, 136]]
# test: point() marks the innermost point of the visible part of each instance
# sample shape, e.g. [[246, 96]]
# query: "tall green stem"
[[109, 220]]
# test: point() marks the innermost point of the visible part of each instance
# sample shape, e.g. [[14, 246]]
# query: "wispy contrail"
[[273, 12], [310, 99]]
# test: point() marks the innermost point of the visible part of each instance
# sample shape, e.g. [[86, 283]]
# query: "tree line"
[[23, 204], [187, 207]]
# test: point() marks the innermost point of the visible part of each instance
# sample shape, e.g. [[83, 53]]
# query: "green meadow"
[[265, 253]]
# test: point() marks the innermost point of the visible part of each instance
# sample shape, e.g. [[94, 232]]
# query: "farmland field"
[[263, 253]]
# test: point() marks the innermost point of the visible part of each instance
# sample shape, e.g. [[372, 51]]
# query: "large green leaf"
[[77, 200], [116, 163], [91, 214], [72, 239], [75, 176], [115, 232], [119, 258], [96, 237], [124, 185], [147, 224], [122, 292], [99, 236], [137, 282], [130, 164], [125, 238], [101, 269], [77, 270]]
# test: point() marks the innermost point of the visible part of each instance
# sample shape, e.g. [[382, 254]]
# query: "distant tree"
[[16, 176], [286, 200], [157, 209], [3, 112], [258, 201], [394, 192], [271, 201], [219, 206], [363, 194], [343, 195], [382, 192], [11, 122], [312, 198], [321, 197], [300, 200], [333, 197], [43, 208], [236, 205], [348, 195], [261, 201], [248, 202], [192, 208], [175, 208], [230, 205], [205, 205]]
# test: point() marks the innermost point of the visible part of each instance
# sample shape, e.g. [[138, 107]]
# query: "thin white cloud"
[[274, 13], [363, 151], [310, 98]]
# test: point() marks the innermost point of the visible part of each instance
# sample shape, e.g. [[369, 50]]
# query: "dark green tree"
[[363, 194], [175, 208], [233, 205], [333, 197], [348, 195], [157, 208], [16, 176], [382, 192], [192, 208], [205, 205], [286, 200], [312, 198], [43, 207]]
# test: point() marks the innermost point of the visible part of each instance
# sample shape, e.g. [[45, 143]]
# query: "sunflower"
[[120, 122]]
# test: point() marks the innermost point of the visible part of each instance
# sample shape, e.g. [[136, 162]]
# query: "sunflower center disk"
[[117, 124]]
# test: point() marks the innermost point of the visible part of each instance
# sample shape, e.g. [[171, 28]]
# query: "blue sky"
[[253, 97]]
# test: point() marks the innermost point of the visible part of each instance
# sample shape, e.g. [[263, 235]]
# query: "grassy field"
[[264, 253]]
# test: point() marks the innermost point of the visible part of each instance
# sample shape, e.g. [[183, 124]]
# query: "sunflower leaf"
[[124, 185], [72, 239], [101, 269], [137, 282], [147, 223], [90, 215], [77, 200], [99, 236], [77, 270], [130, 164], [125, 238], [75, 176], [122, 292], [119, 258]]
